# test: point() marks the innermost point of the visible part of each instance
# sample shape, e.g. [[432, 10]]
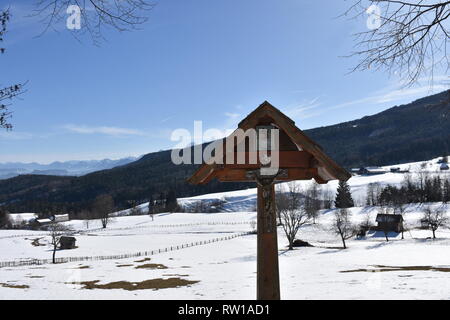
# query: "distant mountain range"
[[57, 168], [413, 132]]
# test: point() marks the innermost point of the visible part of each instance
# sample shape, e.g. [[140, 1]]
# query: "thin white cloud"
[[167, 119], [16, 135], [394, 95], [305, 109], [110, 131], [232, 115], [398, 94]]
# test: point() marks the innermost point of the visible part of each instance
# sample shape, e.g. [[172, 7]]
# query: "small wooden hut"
[[67, 243], [389, 222]]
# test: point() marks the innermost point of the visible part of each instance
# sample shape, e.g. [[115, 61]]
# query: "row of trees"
[[419, 189], [293, 209], [101, 208]]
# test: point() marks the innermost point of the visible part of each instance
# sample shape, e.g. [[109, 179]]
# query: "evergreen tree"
[[4, 219], [171, 201], [343, 196], [446, 191], [151, 209], [150, 204]]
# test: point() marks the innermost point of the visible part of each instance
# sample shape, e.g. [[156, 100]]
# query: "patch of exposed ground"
[[36, 242], [124, 265], [83, 267], [15, 286], [144, 260], [35, 277], [151, 266], [381, 268], [154, 284]]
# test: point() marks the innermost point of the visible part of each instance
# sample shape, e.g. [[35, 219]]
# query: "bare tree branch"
[[9, 92], [96, 15], [291, 209], [411, 39]]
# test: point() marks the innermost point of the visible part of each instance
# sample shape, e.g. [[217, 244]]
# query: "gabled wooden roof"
[[323, 169]]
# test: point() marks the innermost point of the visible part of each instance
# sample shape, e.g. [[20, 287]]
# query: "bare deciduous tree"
[[400, 208], [343, 226], [253, 225], [409, 38], [367, 223], [328, 198], [86, 215], [57, 230], [135, 209], [96, 15], [312, 201], [291, 209], [103, 206], [434, 218], [10, 92], [151, 210]]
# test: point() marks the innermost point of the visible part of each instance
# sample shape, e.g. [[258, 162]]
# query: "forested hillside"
[[413, 132]]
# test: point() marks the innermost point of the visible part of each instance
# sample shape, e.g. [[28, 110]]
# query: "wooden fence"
[[30, 262], [128, 228]]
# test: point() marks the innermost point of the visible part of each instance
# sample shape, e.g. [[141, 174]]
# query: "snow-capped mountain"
[[58, 168]]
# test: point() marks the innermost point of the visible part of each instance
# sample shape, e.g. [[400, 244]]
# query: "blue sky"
[[213, 61]]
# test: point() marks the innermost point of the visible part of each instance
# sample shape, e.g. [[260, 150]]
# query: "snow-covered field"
[[414, 268], [226, 269], [245, 200]]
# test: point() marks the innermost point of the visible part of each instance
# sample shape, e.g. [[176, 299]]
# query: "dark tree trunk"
[[291, 244], [343, 242], [54, 253]]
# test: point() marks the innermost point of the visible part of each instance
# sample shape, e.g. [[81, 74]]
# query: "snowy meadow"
[[213, 255]]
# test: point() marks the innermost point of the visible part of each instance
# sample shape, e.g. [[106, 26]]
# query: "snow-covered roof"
[[22, 217], [44, 221], [61, 218]]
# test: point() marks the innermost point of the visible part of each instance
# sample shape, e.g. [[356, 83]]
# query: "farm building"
[[67, 243], [37, 223], [59, 218], [20, 220], [368, 171], [398, 170], [389, 222]]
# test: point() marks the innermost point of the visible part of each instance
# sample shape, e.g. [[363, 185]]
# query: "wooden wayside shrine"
[[298, 158]]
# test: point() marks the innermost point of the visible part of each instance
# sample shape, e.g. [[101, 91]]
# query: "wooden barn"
[[389, 222], [67, 243]]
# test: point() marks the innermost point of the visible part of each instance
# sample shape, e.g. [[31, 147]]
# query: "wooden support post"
[[268, 279]]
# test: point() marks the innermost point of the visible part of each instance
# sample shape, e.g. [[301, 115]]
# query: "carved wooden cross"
[[278, 151]]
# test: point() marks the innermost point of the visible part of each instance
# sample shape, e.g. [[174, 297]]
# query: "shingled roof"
[[327, 169]]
